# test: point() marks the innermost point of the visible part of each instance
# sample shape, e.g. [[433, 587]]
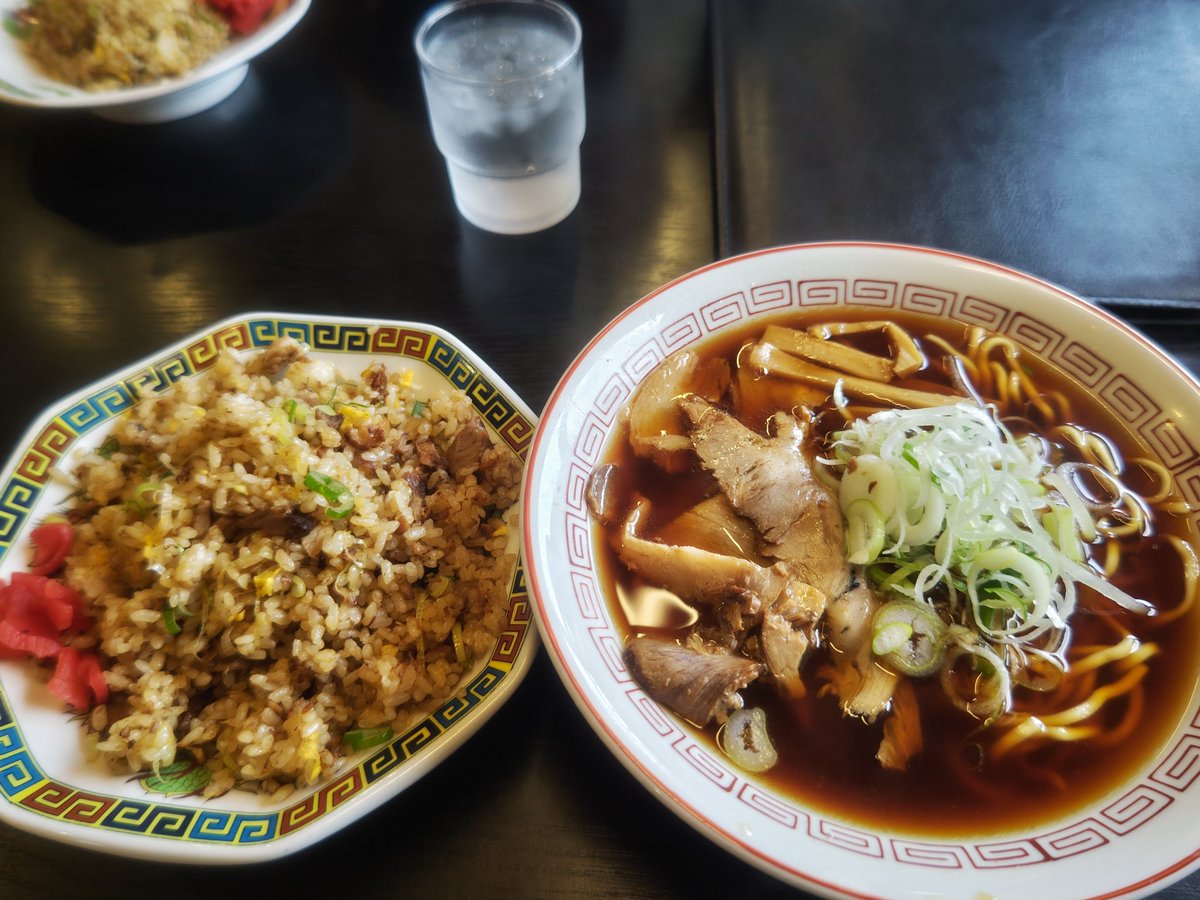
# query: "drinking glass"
[[503, 83]]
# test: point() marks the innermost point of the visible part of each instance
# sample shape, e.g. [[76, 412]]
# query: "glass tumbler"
[[503, 83]]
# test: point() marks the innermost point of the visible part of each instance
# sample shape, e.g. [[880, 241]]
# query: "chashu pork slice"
[[789, 627], [787, 608], [764, 478], [695, 684], [815, 545], [902, 736], [695, 575], [769, 481], [656, 429], [848, 619]]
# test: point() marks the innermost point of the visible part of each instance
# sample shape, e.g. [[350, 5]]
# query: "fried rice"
[[104, 44], [244, 623]]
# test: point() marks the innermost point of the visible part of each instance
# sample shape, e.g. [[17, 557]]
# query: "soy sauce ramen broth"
[[828, 761]]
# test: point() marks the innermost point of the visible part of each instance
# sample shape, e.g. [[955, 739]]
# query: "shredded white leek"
[[964, 507]]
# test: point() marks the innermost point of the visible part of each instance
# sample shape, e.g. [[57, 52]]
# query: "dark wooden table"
[[317, 189]]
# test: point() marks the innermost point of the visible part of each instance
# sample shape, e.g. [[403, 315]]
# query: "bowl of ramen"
[[255, 585], [878, 566], [135, 61]]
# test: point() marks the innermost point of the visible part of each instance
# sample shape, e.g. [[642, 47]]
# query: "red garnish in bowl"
[[78, 679], [38, 613], [245, 16], [51, 544], [27, 625]]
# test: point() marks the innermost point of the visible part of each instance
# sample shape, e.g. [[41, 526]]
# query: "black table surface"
[[316, 188]]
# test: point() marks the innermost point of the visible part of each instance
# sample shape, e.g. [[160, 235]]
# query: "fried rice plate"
[[280, 561]]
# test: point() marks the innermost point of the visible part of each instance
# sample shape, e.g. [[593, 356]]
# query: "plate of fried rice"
[[255, 585], [138, 61]]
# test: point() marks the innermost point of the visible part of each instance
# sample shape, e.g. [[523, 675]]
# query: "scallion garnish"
[[170, 623], [108, 448], [144, 495], [909, 637], [17, 25], [361, 738], [964, 508], [341, 501], [297, 412], [460, 648]]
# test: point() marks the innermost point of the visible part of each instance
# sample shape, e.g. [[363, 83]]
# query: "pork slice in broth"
[[902, 736], [696, 684], [712, 524], [769, 481], [788, 630], [741, 593], [695, 575], [814, 546], [766, 479], [656, 428]]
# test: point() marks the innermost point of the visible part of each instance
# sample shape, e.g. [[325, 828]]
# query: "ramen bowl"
[[1128, 839]]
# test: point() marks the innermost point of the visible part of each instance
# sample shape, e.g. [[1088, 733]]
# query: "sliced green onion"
[[297, 411], [870, 477], [143, 495], [972, 518], [864, 532], [929, 526], [170, 623], [745, 740], [108, 448], [342, 507], [361, 738], [341, 501], [988, 693], [1060, 523], [1002, 598], [418, 410], [910, 635], [17, 27], [1073, 499], [460, 649], [1026, 574], [333, 394], [890, 637]]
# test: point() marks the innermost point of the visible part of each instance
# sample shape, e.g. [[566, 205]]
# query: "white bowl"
[[46, 785], [1134, 841], [23, 84]]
